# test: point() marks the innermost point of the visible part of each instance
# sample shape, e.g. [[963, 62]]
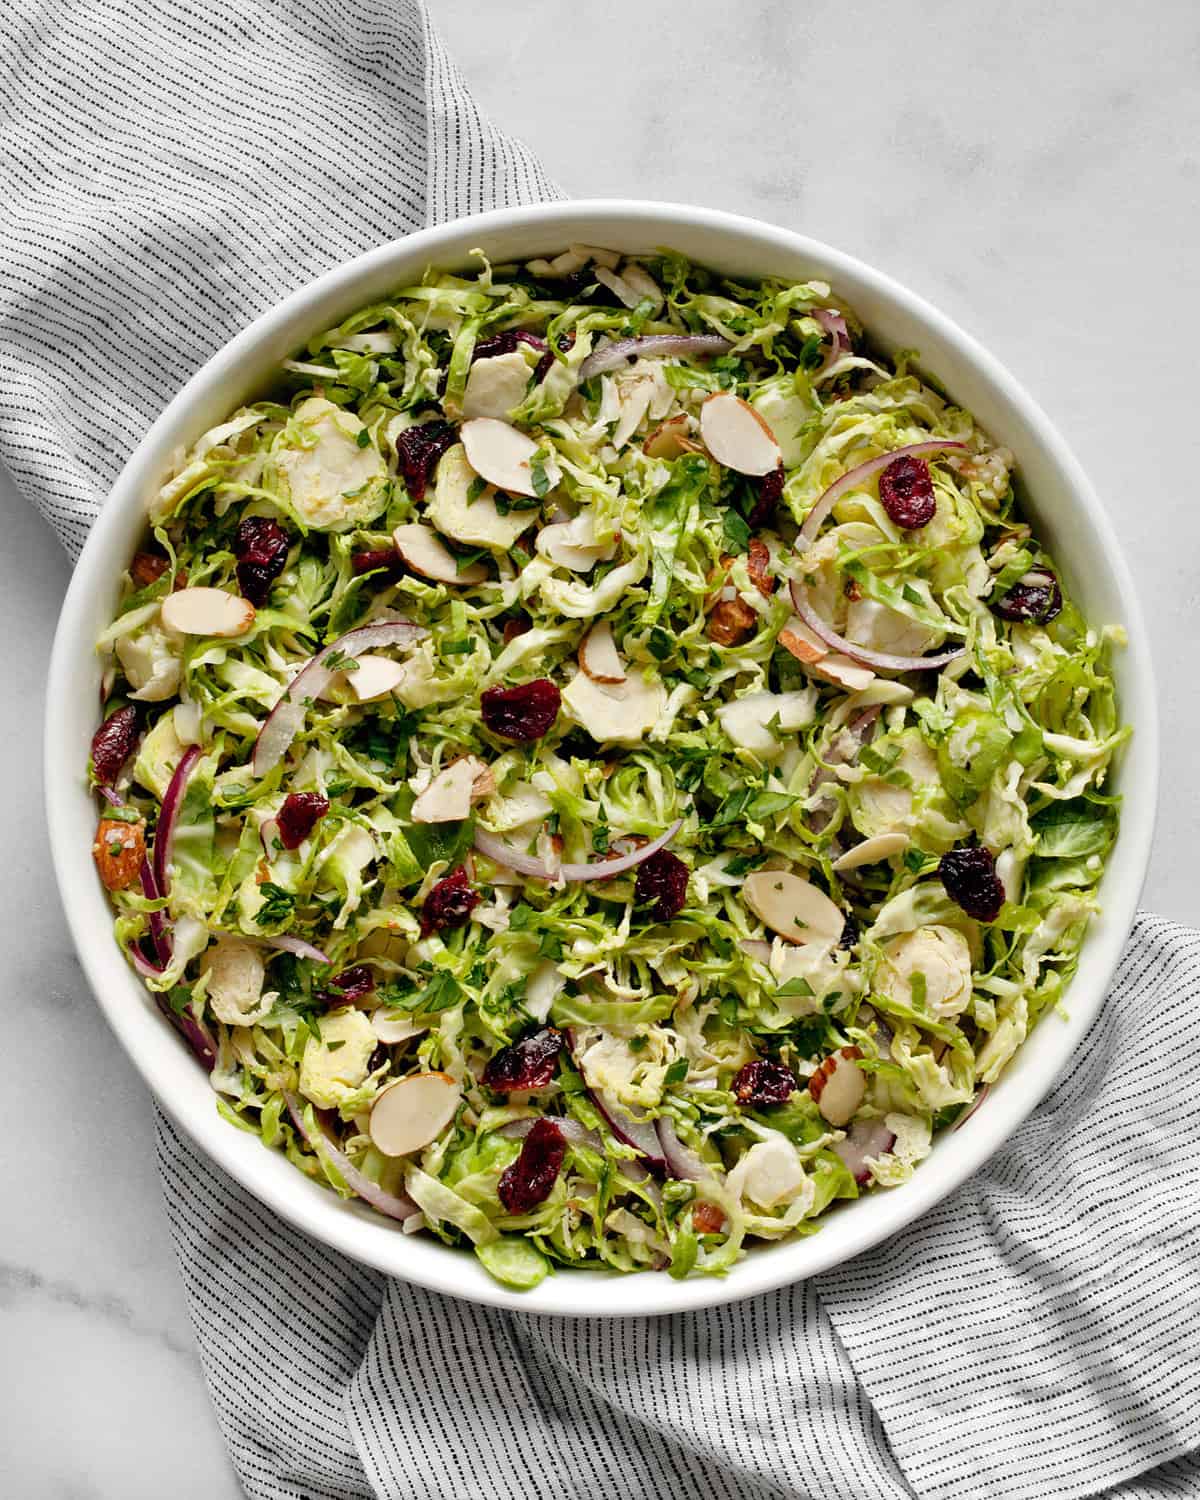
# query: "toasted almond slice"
[[792, 907], [616, 714], [871, 851], [804, 644], [203, 611], [393, 1029], [844, 672], [484, 784], [425, 553], [413, 1111], [598, 655], [670, 438], [500, 454], [737, 436], [495, 385], [374, 677], [838, 1086], [635, 399], [448, 797]]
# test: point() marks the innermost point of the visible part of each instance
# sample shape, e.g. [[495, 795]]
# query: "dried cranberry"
[[521, 713], [770, 492], [418, 450], [764, 1082], [544, 365], [525, 1064], [1035, 597], [386, 560], [969, 876], [529, 1180], [377, 1058], [112, 744], [299, 815], [906, 492], [449, 904], [661, 885], [348, 986], [506, 343], [261, 548]]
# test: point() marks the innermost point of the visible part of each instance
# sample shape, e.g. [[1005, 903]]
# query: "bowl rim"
[[359, 1233]]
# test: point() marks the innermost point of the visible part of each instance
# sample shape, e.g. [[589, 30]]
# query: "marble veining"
[[1031, 169]]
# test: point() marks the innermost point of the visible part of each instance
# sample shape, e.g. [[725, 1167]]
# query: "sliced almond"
[[843, 672], [375, 677], [795, 909], [838, 1087], [495, 385], [500, 454], [737, 436], [871, 851], [804, 644], [636, 396], [671, 438], [203, 611], [598, 655], [448, 797], [412, 1112], [620, 714], [809, 649], [572, 544], [425, 553], [394, 1029]]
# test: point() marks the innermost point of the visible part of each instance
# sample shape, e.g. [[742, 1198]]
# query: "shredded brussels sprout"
[[881, 875]]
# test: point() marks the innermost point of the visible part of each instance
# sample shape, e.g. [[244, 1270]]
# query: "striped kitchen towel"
[[168, 171]]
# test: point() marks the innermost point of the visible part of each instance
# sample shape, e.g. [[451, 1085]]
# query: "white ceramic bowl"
[[1063, 507]]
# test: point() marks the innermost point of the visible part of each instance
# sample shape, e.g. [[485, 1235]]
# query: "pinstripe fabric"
[[1036, 1335]]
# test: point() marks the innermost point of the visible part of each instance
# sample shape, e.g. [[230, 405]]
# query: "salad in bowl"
[[597, 764]]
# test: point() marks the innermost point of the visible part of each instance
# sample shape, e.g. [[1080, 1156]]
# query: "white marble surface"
[[1032, 169]]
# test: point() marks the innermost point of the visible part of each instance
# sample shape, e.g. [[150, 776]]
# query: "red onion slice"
[[283, 723], [604, 869], [682, 1161], [168, 816], [881, 661], [984, 1090], [160, 937], [834, 325], [866, 1138], [852, 478], [571, 1129], [859, 729], [288, 944], [504, 854], [640, 1134], [664, 345], [194, 1032], [394, 1205]]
